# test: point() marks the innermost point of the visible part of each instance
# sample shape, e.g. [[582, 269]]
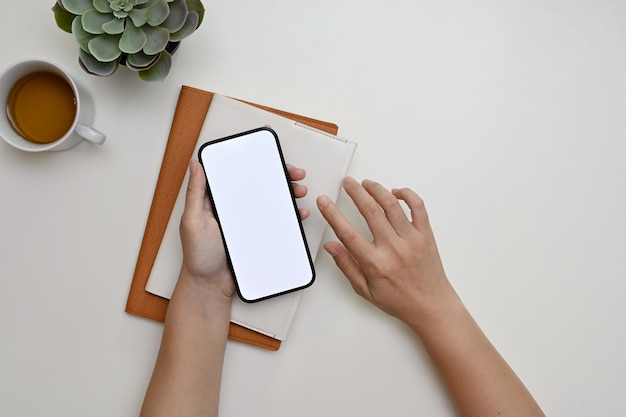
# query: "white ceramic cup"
[[80, 128]]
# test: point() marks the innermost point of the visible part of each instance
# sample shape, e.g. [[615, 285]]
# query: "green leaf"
[[188, 28], [77, 7], [93, 66], [160, 69], [102, 6], [114, 27], [157, 39], [105, 47], [93, 21], [198, 7], [158, 12], [138, 16], [133, 39], [80, 35], [140, 61], [177, 16], [63, 18]]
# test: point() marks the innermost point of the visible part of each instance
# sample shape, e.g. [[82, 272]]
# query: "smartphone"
[[254, 205]]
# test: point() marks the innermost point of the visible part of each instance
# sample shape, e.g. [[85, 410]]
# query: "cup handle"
[[90, 134]]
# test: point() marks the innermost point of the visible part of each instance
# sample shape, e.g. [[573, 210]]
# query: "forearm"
[[479, 379], [187, 375]]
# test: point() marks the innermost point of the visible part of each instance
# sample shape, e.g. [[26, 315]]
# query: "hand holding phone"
[[263, 236]]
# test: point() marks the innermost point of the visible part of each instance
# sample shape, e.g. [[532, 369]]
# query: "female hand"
[[400, 270], [203, 251]]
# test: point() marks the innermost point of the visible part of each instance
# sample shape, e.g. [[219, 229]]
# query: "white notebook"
[[325, 157]]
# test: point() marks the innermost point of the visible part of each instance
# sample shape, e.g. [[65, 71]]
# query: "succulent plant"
[[140, 34]]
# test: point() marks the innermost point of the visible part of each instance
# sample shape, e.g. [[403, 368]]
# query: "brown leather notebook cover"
[[191, 110]]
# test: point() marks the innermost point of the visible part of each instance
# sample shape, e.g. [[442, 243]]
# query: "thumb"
[[196, 188]]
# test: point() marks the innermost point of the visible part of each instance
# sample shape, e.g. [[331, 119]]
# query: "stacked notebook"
[[202, 116]]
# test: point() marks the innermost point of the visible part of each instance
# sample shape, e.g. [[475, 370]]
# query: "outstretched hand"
[[401, 272], [400, 269]]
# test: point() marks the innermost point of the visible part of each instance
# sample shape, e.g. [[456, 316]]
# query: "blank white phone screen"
[[258, 217]]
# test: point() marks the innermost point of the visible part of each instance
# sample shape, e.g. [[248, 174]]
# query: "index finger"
[[370, 209], [295, 173], [354, 241]]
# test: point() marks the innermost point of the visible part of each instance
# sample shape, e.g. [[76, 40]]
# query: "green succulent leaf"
[[133, 39], [114, 27], [188, 28], [93, 66], [77, 7], [93, 21], [198, 7], [105, 47], [158, 12], [160, 69], [103, 6], [80, 35], [177, 16], [63, 18], [157, 39], [140, 61], [138, 16]]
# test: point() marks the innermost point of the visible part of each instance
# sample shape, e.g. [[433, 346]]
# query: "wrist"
[[437, 313], [213, 292]]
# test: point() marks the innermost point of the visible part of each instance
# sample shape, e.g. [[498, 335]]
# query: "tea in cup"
[[45, 110]]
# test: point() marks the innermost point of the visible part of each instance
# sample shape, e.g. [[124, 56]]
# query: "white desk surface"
[[508, 117]]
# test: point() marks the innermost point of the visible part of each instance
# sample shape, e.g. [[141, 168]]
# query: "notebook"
[[326, 159], [191, 110]]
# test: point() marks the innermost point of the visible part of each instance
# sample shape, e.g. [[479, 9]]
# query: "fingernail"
[[348, 180], [323, 201], [192, 167], [331, 250]]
